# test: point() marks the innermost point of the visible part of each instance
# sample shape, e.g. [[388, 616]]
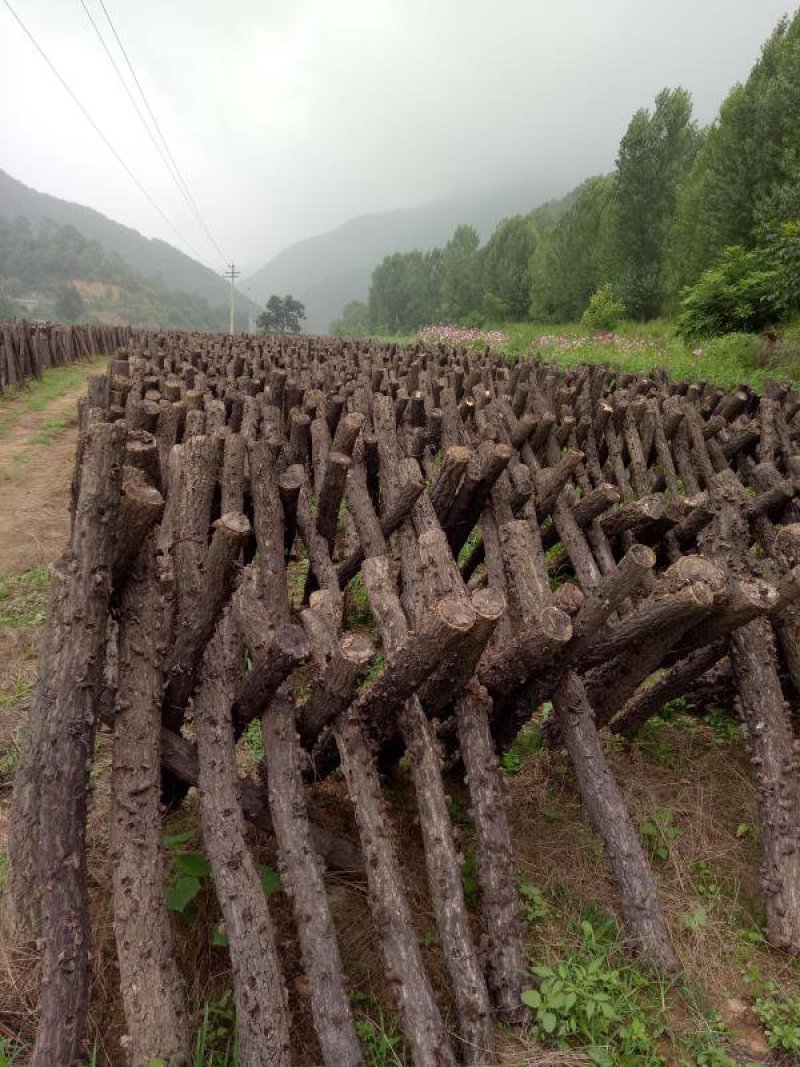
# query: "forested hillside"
[[332, 269], [696, 223]]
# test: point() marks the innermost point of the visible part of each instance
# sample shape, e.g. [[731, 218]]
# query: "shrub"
[[748, 289], [604, 310]]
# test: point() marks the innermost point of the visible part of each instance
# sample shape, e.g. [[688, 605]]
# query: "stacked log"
[[29, 348], [524, 534]]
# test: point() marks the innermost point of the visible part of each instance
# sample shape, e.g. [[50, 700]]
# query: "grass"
[[23, 599], [638, 348], [38, 394]]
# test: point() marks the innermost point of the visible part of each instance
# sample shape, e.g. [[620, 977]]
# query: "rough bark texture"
[[502, 906], [768, 734], [68, 748], [609, 816], [261, 1012], [153, 993], [301, 877]]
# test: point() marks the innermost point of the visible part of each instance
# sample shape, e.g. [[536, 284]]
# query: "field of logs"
[[524, 535], [27, 349]]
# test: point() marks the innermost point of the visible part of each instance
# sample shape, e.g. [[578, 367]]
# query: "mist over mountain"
[[145, 254], [327, 271]]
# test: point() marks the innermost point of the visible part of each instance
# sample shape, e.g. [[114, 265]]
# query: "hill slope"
[[328, 270], [148, 256]]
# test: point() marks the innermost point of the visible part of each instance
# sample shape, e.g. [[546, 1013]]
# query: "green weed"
[[381, 1041], [597, 1001], [252, 741], [216, 1043], [23, 599], [658, 832], [536, 907], [10, 1052], [779, 1013]]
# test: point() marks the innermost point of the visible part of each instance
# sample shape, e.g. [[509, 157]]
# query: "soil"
[[34, 485]]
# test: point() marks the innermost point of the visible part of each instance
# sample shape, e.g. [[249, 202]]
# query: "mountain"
[[327, 271], [148, 256]]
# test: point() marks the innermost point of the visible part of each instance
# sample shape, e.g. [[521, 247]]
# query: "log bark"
[[259, 992], [301, 877], [610, 818], [501, 902], [153, 992], [68, 749]]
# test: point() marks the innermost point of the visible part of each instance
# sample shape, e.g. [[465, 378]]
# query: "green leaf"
[[548, 1021], [743, 829], [178, 839], [695, 920], [193, 863], [182, 893], [542, 971], [270, 880], [219, 937], [532, 997]]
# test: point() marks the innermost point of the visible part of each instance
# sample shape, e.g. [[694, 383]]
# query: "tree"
[[655, 156], [6, 306], [353, 321], [282, 315], [505, 267], [69, 305], [746, 174], [575, 256], [461, 276]]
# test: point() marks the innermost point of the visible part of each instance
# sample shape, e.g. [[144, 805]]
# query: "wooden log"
[[301, 878], [609, 816], [68, 749], [494, 855], [261, 1002], [153, 990]]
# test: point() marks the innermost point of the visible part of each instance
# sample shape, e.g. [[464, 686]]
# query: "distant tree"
[[69, 305], [7, 310], [746, 173], [575, 256], [655, 156], [505, 268], [353, 321], [404, 291], [282, 315], [461, 276]]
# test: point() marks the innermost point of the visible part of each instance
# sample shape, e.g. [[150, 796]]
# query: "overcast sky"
[[288, 117]]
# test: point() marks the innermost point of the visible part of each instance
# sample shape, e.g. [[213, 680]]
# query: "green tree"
[[69, 305], [505, 268], [353, 321], [461, 276], [281, 315], [405, 290], [7, 309], [655, 155], [746, 173], [575, 256]]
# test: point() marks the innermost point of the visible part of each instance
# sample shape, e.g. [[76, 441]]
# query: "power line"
[[131, 97], [99, 132], [233, 273], [151, 113]]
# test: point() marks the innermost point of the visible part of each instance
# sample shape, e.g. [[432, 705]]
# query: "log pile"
[[523, 534], [28, 348]]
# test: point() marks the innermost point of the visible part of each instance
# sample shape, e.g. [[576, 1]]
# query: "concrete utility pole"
[[233, 274]]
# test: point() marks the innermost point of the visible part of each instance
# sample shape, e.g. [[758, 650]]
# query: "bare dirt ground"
[[34, 484]]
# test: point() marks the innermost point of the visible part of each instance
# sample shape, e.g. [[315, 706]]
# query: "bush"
[[748, 289], [604, 310]]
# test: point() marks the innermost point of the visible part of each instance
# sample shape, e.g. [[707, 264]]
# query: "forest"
[[693, 224], [42, 264]]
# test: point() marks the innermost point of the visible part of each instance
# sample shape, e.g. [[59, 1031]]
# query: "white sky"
[[287, 118]]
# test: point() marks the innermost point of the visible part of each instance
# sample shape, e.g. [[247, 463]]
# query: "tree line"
[[696, 222], [43, 264]]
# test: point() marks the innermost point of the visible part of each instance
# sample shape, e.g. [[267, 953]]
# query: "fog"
[[288, 118]]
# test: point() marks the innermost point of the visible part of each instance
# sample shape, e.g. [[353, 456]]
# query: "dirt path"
[[36, 458]]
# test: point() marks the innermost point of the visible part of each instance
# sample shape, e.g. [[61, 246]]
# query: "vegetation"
[[57, 272], [281, 315], [704, 222]]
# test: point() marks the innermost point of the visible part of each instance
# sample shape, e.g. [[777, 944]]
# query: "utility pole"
[[233, 274]]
